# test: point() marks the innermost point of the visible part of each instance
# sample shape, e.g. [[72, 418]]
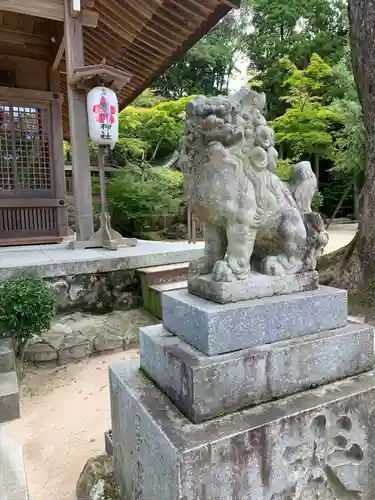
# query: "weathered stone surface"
[[108, 443], [255, 286], [59, 261], [7, 361], [108, 342], [78, 335], [9, 397], [40, 352], [216, 329], [98, 292], [229, 162], [316, 444], [97, 481], [12, 469], [204, 387], [73, 348]]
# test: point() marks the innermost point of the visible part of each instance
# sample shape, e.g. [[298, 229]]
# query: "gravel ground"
[[65, 412]]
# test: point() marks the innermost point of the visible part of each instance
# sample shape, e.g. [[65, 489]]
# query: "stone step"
[[203, 387], [169, 287], [165, 274], [159, 279], [7, 362], [221, 328], [152, 295], [9, 397], [13, 484]]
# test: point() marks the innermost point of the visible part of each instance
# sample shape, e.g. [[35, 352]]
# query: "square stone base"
[[255, 287], [204, 387], [317, 444], [9, 397], [220, 328]]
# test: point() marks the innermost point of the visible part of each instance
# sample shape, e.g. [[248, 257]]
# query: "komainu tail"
[[303, 185]]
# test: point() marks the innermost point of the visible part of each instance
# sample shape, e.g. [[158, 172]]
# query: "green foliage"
[[295, 29], [207, 67], [27, 306], [129, 150], [150, 133], [135, 200], [350, 144], [284, 169], [67, 151], [317, 201], [306, 125], [148, 99], [350, 140]]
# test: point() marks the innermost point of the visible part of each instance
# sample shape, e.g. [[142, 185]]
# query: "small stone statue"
[[253, 220]]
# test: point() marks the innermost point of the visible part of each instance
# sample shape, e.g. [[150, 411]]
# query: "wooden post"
[[105, 236], [79, 132], [58, 156]]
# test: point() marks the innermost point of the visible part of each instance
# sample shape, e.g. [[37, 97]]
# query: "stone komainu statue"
[[252, 218]]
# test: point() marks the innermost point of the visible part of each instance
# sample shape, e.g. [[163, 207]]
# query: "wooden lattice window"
[[24, 148]]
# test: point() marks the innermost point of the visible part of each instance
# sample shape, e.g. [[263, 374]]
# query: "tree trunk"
[[362, 35], [356, 193]]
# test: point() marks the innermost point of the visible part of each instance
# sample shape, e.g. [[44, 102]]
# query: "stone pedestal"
[[256, 286], [204, 387], [216, 329], [264, 399]]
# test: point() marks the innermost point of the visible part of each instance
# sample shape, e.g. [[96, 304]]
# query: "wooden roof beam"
[[48, 9], [59, 54], [28, 50], [19, 37], [234, 4]]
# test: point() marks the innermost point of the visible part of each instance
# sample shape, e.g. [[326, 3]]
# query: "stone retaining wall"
[[79, 335], [97, 292]]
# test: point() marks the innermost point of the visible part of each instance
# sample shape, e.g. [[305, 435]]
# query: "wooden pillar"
[[58, 156], [79, 133]]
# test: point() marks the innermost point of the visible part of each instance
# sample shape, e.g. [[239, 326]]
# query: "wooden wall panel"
[[30, 73]]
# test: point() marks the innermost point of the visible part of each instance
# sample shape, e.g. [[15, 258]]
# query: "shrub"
[[135, 200], [27, 306]]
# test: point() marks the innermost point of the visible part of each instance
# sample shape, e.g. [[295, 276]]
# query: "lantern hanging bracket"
[[87, 77]]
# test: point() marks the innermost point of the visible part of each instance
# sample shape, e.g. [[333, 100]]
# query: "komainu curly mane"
[[228, 160]]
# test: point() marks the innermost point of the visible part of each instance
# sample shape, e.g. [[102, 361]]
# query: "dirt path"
[[340, 235], [65, 412]]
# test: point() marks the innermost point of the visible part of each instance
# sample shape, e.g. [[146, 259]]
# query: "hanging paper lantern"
[[102, 110]]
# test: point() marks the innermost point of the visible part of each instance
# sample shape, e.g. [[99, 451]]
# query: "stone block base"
[[13, 484], [316, 444], [216, 329], [204, 387], [256, 286], [9, 397]]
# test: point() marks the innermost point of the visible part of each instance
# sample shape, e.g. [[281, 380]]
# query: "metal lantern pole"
[[102, 109], [103, 187]]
